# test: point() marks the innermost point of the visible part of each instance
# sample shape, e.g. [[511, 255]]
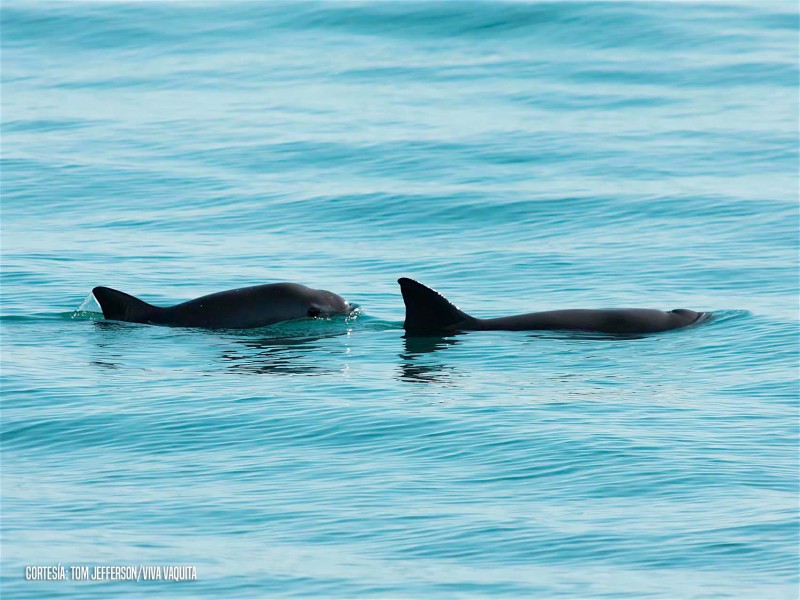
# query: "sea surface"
[[515, 157]]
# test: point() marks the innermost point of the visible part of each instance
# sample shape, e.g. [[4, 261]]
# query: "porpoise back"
[[428, 313], [241, 308]]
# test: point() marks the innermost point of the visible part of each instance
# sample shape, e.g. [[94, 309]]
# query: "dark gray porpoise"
[[428, 312], [242, 308]]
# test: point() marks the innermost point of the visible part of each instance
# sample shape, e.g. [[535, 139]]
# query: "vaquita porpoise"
[[242, 308], [428, 312]]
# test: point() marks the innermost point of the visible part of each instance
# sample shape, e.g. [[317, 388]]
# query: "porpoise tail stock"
[[430, 313], [242, 308]]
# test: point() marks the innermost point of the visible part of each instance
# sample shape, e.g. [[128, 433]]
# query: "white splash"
[[88, 309]]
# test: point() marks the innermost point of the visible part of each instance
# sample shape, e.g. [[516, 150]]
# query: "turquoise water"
[[516, 157]]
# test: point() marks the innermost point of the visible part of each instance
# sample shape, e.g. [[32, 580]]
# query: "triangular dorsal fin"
[[120, 306], [427, 311]]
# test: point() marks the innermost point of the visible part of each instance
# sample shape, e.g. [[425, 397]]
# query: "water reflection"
[[291, 349], [280, 355], [416, 366], [111, 356]]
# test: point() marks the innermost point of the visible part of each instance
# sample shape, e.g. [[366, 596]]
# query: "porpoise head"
[[327, 304], [684, 316]]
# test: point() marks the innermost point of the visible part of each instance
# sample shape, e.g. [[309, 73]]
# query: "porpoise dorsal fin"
[[427, 311], [120, 306]]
